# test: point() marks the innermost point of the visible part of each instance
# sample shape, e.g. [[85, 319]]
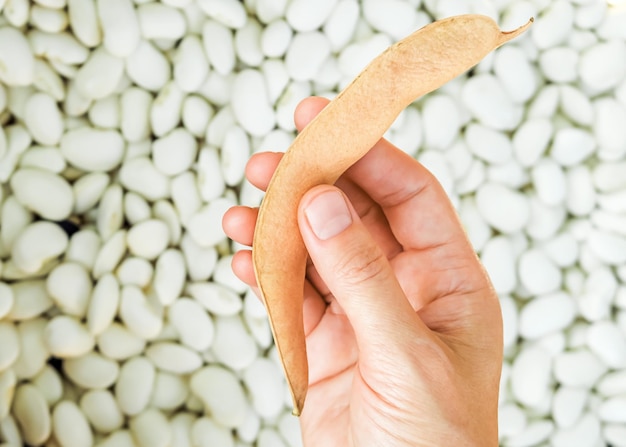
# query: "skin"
[[403, 327]]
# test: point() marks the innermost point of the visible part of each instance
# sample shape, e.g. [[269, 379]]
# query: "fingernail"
[[328, 215]]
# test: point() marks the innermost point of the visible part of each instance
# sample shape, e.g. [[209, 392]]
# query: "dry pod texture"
[[339, 136]]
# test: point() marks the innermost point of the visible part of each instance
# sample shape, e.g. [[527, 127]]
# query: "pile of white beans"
[[125, 130]]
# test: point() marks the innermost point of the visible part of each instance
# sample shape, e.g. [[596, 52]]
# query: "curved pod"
[[340, 135]]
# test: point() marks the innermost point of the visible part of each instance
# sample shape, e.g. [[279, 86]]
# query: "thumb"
[[354, 268]]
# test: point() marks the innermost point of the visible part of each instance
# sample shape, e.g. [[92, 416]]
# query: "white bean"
[[151, 429], [43, 119], [193, 324], [110, 213], [70, 426], [166, 109], [222, 394], [34, 352], [205, 433], [277, 79], [105, 112], [46, 158], [141, 176], [165, 211], [148, 67], [83, 248], [250, 103], [134, 386], [138, 314], [210, 182], [248, 43], [119, 343], [173, 357], [215, 298], [191, 66], [88, 190], [102, 411], [75, 103], [31, 412], [205, 227], [103, 304], [233, 346], [69, 285], [100, 75], [200, 261], [170, 391], [148, 239], [196, 115], [217, 90], [175, 152], [249, 429], [91, 371], [84, 20], [39, 243], [17, 13], [229, 12], [59, 47], [50, 20], [235, 151], [120, 438], [110, 254], [135, 271], [30, 300], [14, 219], [16, 58], [10, 431], [8, 381], [169, 276], [45, 193], [159, 21], [48, 80], [67, 337], [269, 438], [181, 425], [49, 382], [10, 342], [119, 26], [221, 57], [135, 106], [6, 299], [136, 208]]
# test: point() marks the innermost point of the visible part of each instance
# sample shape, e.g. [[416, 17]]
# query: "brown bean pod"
[[339, 136]]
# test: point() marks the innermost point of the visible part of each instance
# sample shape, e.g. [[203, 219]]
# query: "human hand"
[[403, 327]]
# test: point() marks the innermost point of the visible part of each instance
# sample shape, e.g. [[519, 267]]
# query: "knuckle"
[[358, 265]]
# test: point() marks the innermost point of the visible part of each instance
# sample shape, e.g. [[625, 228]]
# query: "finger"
[[261, 167], [354, 268], [238, 223], [372, 216], [314, 305], [416, 206], [242, 267], [307, 109]]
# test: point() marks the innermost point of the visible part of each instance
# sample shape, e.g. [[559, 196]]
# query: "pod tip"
[[506, 36]]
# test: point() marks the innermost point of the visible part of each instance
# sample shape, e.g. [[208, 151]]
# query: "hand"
[[404, 331]]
